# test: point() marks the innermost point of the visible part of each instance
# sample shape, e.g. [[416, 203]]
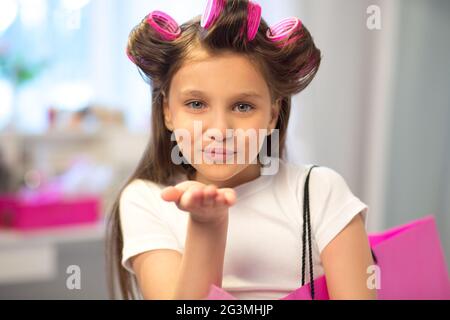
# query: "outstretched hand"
[[206, 203]]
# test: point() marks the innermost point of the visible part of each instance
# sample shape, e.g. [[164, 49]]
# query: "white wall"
[[419, 162]]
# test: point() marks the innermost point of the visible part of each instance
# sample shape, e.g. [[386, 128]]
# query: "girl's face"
[[220, 110]]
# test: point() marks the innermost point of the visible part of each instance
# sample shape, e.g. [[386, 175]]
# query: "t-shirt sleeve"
[[332, 205], [142, 223]]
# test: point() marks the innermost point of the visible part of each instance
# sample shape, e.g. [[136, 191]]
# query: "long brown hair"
[[287, 69]]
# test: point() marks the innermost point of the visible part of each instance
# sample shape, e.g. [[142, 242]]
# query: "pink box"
[[24, 213]]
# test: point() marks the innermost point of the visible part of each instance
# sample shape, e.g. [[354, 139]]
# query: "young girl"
[[180, 226]]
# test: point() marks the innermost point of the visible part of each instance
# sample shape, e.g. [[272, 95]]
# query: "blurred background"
[[75, 114]]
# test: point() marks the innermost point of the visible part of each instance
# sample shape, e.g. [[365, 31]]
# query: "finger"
[[192, 197], [209, 195], [220, 200], [185, 185], [171, 194], [230, 196]]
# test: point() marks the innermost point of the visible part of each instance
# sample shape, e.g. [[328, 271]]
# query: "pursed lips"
[[218, 151]]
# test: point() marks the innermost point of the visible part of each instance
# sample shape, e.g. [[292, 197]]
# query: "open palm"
[[206, 203]]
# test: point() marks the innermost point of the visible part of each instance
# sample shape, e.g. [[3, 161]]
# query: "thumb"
[[171, 194], [174, 193]]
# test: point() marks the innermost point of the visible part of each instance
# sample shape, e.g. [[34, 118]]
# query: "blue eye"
[[196, 105], [244, 107]]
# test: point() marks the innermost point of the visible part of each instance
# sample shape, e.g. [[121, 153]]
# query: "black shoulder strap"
[[306, 238]]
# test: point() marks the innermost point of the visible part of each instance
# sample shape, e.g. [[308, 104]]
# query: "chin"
[[219, 172]]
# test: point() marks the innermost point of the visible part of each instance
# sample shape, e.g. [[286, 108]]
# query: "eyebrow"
[[242, 95]]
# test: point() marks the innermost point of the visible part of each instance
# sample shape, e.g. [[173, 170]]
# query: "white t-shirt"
[[264, 240]]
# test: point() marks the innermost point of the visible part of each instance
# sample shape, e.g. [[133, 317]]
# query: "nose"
[[218, 125]]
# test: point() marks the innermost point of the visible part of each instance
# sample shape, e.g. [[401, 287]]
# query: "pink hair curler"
[[164, 24], [253, 19], [308, 68], [129, 56], [212, 12], [283, 30], [137, 59]]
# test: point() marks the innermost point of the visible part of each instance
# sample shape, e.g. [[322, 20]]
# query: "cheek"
[[261, 120], [252, 145], [189, 142], [180, 119]]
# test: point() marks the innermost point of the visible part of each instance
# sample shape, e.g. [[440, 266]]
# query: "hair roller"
[[253, 19], [308, 67], [164, 24], [283, 30], [212, 12], [129, 56], [135, 59]]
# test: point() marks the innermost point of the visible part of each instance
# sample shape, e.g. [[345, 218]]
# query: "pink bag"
[[410, 258]]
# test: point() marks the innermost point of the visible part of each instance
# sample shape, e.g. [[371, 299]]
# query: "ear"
[[275, 112], [166, 111]]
